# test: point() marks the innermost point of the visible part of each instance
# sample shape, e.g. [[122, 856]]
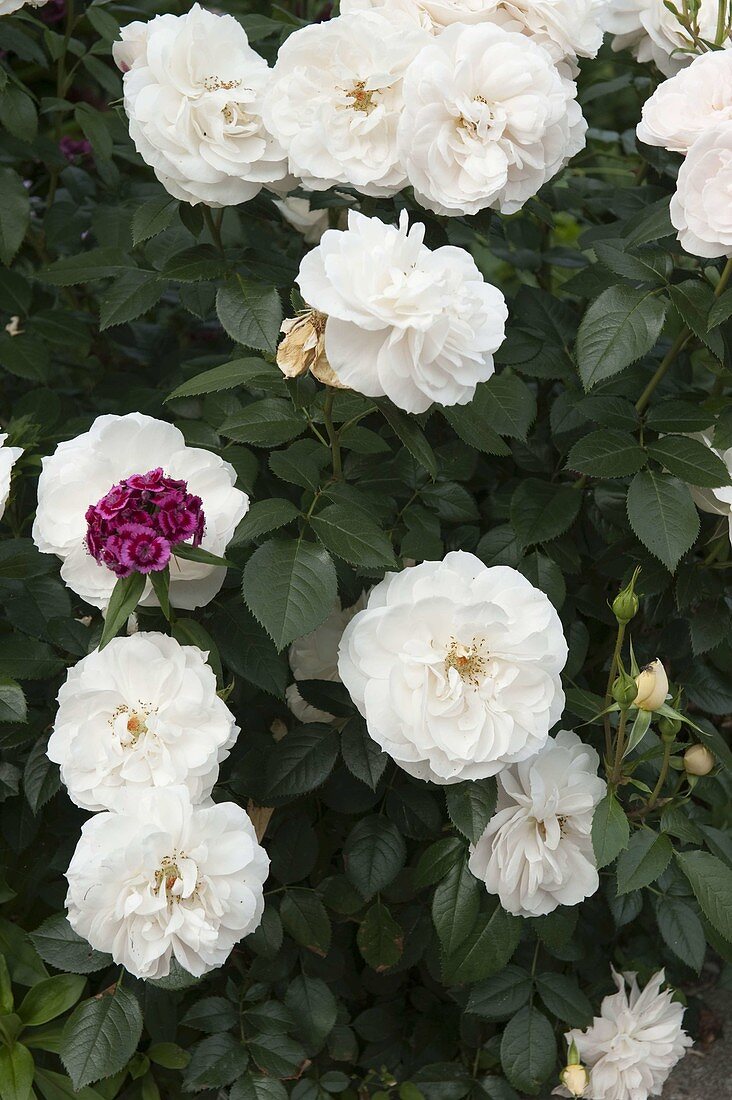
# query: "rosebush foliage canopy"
[[381, 965]]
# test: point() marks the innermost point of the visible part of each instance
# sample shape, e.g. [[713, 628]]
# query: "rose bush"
[[365, 495]]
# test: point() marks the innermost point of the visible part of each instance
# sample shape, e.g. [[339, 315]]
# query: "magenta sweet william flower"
[[136, 524]]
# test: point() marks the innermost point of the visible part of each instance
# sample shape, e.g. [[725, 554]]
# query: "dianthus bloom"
[[487, 120], [91, 470], [536, 852], [701, 209], [193, 92], [135, 525], [161, 878], [455, 667], [336, 98], [8, 457], [653, 33], [634, 1043], [315, 657], [683, 108], [403, 321], [143, 712]]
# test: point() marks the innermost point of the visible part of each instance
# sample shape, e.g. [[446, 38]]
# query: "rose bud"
[[575, 1079], [624, 690], [698, 760], [652, 684]]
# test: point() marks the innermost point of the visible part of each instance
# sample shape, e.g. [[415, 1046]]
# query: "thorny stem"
[[619, 749], [214, 227], [614, 663], [333, 435], [661, 776]]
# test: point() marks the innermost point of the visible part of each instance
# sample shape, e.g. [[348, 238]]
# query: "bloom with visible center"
[[336, 98], [456, 668], [160, 878], [143, 712], [701, 209], [683, 108], [634, 1043], [536, 852], [8, 457], [404, 321], [653, 33], [104, 465], [194, 91], [134, 527], [315, 657], [487, 120]]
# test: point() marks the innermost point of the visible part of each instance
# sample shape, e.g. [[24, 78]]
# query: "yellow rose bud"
[[575, 1079], [698, 760], [652, 684]]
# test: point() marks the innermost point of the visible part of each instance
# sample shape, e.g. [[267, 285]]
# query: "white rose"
[[683, 108], [141, 713], [701, 210], [403, 321], [8, 457], [194, 91], [653, 33], [455, 668], [536, 852], [315, 657], [8, 7], [162, 879], [82, 470], [488, 119], [634, 1043], [311, 224], [716, 501], [336, 97]]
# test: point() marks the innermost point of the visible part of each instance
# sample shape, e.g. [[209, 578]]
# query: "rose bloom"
[[315, 657], [568, 29], [194, 92], [653, 33], [7, 7], [161, 878], [487, 120], [455, 668], [141, 713], [82, 470], [701, 209], [336, 98], [403, 321], [536, 852], [8, 457], [634, 1043], [694, 101]]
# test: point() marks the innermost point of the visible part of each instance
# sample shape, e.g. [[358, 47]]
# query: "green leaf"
[[682, 931], [152, 218], [57, 1086], [238, 372], [350, 534], [187, 552], [646, 266], [620, 327], [201, 263], [380, 939], [264, 516], [14, 214], [606, 453], [663, 516], [721, 310], [711, 881], [690, 460], [471, 806], [301, 762], [125, 597], [13, 706], [247, 649], [374, 853], [314, 1009], [24, 658], [610, 830], [265, 423], [647, 856], [455, 907], [250, 313], [564, 999], [693, 301], [129, 296], [215, 1062], [18, 113], [486, 950], [542, 510], [50, 998], [305, 919], [470, 423], [160, 582], [411, 436], [16, 1072], [212, 1014], [255, 1086], [438, 860], [290, 587], [361, 755], [508, 405], [277, 1055], [84, 267], [528, 1050], [502, 996], [100, 1037]]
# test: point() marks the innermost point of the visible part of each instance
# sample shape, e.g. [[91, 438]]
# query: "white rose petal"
[[162, 879], [143, 712], [403, 321], [336, 98], [8, 457], [83, 469], [455, 668], [701, 209], [487, 120], [194, 91], [653, 33], [634, 1043], [8, 7], [536, 852], [315, 657], [683, 108]]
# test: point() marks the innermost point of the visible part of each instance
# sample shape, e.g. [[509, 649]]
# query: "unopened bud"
[[698, 760], [625, 604], [625, 690], [668, 728], [575, 1079], [652, 685]]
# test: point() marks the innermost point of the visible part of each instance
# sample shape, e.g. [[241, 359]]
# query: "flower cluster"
[[135, 526], [692, 114]]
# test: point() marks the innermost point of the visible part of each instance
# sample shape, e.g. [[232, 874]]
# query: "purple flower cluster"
[[135, 526]]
